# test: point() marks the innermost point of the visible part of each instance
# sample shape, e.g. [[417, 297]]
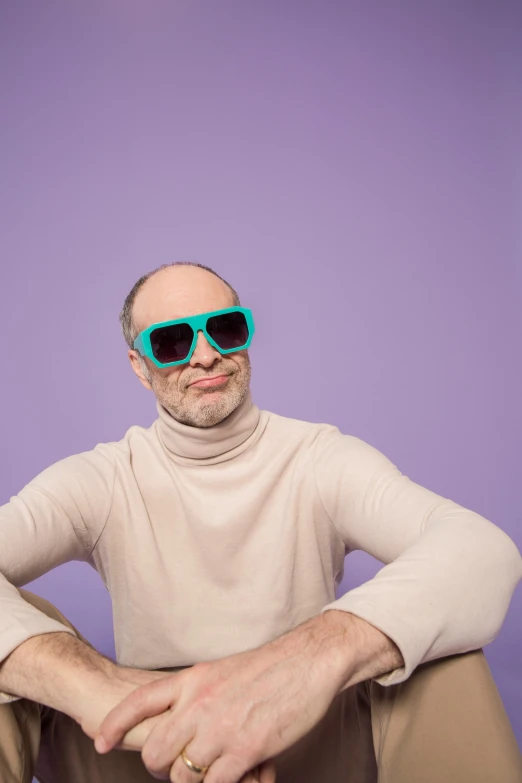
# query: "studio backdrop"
[[352, 165]]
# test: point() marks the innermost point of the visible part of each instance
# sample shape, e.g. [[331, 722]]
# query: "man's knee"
[[447, 717], [49, 609], [43, 605]]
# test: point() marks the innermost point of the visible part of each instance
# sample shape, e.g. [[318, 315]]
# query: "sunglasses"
[[173, 342]]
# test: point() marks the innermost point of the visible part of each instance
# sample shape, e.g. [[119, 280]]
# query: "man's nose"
[[204, 353]]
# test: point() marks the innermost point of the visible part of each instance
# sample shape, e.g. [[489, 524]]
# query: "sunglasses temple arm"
[[138, 345]]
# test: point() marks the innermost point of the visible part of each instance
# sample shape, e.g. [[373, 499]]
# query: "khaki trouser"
[[445, 724]]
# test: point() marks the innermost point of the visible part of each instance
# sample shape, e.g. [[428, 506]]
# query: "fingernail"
[[100, 744]]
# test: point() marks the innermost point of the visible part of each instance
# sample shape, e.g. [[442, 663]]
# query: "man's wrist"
[[358, 650]]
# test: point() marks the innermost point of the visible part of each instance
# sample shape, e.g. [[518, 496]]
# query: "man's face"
[[178, 292]]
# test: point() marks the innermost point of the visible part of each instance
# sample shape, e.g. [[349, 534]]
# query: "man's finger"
[[250, 777], [145, 702], [263, 773], [267, 772]]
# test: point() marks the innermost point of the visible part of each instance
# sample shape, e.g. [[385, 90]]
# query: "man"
[[220, 533]]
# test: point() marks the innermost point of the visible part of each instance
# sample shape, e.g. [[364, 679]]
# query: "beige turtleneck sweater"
[[213, 541]]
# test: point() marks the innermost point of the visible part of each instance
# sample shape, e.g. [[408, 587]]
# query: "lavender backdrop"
[[362, 160]]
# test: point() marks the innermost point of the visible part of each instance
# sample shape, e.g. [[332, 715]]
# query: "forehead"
[[177, 292]]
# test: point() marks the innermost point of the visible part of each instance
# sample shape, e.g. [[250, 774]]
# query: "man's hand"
[[121, 682], [238, 712], [110, 690]]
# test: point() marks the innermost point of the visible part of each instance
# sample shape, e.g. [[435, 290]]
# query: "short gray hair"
[[127, 324]]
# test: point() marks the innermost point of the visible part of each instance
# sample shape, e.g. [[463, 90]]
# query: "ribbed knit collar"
[[207, 445]]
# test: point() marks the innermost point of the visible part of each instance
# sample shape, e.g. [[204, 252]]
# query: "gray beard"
[[205, 416]]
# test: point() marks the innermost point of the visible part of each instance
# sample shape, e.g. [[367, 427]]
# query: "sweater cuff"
[[395, 628]]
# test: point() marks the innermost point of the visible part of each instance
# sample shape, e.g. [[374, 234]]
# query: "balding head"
[[127, 316]]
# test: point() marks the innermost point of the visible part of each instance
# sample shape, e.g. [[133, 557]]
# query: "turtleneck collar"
[[197, 445]]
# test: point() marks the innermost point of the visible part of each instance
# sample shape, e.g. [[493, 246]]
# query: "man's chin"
[[200, 407], [212, 407]]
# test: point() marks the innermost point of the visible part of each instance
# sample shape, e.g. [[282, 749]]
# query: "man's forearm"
[[360, 650], [55, 669], [62, 672], [345, 648]]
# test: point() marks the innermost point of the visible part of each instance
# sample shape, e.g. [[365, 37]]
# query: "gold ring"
[[190, 764]]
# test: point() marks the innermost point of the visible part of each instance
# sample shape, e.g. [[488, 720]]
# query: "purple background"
[[361, 160]]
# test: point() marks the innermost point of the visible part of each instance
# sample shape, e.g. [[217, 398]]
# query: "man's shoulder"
[[134, 437], [324, 437], [298, 430]]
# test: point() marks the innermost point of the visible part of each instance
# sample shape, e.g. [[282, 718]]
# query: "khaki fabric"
[[445, 724]]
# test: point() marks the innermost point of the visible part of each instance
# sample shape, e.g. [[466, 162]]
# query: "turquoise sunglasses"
[[173, 342]]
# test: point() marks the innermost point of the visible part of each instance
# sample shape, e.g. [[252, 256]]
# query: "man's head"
[[176, 291]]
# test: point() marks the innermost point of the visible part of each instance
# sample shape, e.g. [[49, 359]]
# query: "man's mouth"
[[214, 380]]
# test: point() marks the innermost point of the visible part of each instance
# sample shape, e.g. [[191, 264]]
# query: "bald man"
[[220, 532]]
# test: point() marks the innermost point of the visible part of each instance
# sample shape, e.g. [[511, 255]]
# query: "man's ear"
[[140, 368]]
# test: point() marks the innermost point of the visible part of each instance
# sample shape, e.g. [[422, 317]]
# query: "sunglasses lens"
[[229, 330], [171, 343]]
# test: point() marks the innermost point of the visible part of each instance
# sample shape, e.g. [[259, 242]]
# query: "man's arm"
[[56, 517], [62, 672], [55, 669], [362, 651], [450, 572]]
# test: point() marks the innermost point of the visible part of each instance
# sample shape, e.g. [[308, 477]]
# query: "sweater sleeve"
[[449, 573], [55, 518]]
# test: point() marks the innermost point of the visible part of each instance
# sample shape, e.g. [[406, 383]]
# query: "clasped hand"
[[230, 715]]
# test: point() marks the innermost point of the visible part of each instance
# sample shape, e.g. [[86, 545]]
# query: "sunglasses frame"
[[198, 323]]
